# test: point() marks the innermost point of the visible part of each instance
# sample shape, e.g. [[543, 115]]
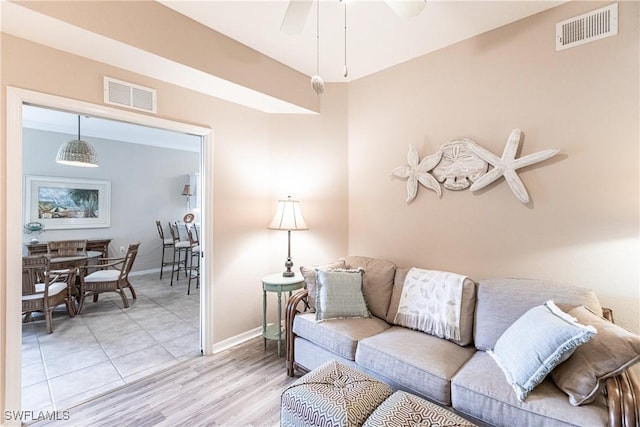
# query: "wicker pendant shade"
[[77, 153]]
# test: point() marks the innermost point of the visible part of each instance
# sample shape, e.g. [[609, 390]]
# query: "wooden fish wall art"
[[462, 164]]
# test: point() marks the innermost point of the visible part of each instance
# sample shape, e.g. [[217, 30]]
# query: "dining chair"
[[43, 289], [181, 251], [66, 247], [112, 276], [194, 252], [167, 242]]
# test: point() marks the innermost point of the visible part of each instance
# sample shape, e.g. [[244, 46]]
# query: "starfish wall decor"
[[462, 163]]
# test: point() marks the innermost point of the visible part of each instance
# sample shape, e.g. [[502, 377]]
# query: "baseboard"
[[142, 272], [238, 339]]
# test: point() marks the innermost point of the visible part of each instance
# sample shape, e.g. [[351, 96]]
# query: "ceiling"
[[377, 38], [94, 127]]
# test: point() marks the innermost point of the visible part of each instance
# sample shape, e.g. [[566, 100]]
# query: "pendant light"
[[316, 81], [77, 153]]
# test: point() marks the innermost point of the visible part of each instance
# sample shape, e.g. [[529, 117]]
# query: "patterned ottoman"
[[406, 410], [332, 395]]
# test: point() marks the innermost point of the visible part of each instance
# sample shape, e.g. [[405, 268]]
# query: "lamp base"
[[288, 273]]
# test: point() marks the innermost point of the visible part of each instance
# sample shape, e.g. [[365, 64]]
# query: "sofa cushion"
[[339, 295], [416, 361], [607, 353], [340, 336], [537, 342], [480, 390], [309, 275], [466, 310], [500, 302], [377, 282]]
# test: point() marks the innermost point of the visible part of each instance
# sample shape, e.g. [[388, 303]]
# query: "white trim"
[[16, 97], [235, 340]]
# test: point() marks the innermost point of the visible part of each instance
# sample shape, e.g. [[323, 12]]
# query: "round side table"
[[277, 283]]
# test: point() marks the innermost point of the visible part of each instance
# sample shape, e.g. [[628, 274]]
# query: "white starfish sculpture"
[[418, 172], [507, 165]]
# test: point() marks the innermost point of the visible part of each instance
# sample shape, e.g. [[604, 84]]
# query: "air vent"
[[124, 94], [586, 28]]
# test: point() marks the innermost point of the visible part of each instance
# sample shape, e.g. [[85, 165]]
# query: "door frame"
[[16, 98]]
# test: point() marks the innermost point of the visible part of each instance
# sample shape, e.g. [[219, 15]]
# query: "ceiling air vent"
[[124, 94], [586, 28]]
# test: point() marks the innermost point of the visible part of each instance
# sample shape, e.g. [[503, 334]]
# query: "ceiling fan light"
[[77, 153]]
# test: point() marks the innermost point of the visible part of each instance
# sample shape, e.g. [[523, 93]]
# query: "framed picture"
[[60, 203]]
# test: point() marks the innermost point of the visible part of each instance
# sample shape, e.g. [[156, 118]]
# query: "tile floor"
[[108, 346]]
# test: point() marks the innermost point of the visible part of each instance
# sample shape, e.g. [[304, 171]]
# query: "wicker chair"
[[109, 278], [43, 289], [66, 247]]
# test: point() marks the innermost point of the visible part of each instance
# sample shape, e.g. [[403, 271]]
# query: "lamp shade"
[[77, 153], [288, 216], [186, 191]]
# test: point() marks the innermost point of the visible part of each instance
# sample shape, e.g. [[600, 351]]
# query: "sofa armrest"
[[623, 400], [623, 394], [292, 309]]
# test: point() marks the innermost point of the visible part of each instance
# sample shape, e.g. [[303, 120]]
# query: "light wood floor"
[[238, 387]]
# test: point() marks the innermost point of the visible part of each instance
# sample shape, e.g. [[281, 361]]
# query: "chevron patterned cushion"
[[332, 395], [404, 409]]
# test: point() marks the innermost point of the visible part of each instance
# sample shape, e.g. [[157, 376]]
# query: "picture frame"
[[66, 203]]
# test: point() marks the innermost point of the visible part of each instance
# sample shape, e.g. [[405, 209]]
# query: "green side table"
[[277, 283]]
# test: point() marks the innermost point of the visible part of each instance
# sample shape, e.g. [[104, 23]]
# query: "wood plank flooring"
[[237, 388]]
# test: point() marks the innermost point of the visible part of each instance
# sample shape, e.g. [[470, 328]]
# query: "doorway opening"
[[16, 100]]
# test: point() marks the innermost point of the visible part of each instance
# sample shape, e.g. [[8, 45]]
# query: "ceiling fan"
[[298, 10]]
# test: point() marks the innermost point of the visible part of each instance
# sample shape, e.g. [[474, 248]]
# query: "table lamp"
[[288, 217]]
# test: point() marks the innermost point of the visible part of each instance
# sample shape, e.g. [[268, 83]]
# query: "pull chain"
[[346, 70], [316, 81]]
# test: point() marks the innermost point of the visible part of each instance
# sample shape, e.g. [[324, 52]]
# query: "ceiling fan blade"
[[296, 16], [406, 8]]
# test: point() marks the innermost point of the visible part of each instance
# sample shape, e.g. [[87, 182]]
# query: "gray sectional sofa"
[[459, 374]]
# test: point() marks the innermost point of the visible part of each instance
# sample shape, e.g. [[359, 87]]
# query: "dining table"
[[80, 261]]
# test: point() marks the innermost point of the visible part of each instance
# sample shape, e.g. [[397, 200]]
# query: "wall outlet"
[[121, 249]]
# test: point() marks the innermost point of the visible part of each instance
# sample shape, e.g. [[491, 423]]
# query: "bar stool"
[[194, 253], [180, 247], [166, 243]]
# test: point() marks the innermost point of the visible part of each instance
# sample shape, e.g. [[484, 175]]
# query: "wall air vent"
[[124, 94], [588, 27]]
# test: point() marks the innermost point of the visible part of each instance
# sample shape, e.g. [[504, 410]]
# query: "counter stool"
[[194, 252], [166, 243], [181, 250]]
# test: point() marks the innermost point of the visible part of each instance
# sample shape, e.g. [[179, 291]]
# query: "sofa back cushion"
[[466, 310], [500, 302], [377, 283]]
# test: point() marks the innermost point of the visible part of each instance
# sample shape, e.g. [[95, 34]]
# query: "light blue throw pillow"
[[537, 342], [339, 294]]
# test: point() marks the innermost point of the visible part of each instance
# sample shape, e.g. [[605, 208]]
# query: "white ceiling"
[[377, 38], [93, 127]]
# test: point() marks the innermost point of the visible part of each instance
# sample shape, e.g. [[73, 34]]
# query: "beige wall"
[[582, 224], [249, 149]]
